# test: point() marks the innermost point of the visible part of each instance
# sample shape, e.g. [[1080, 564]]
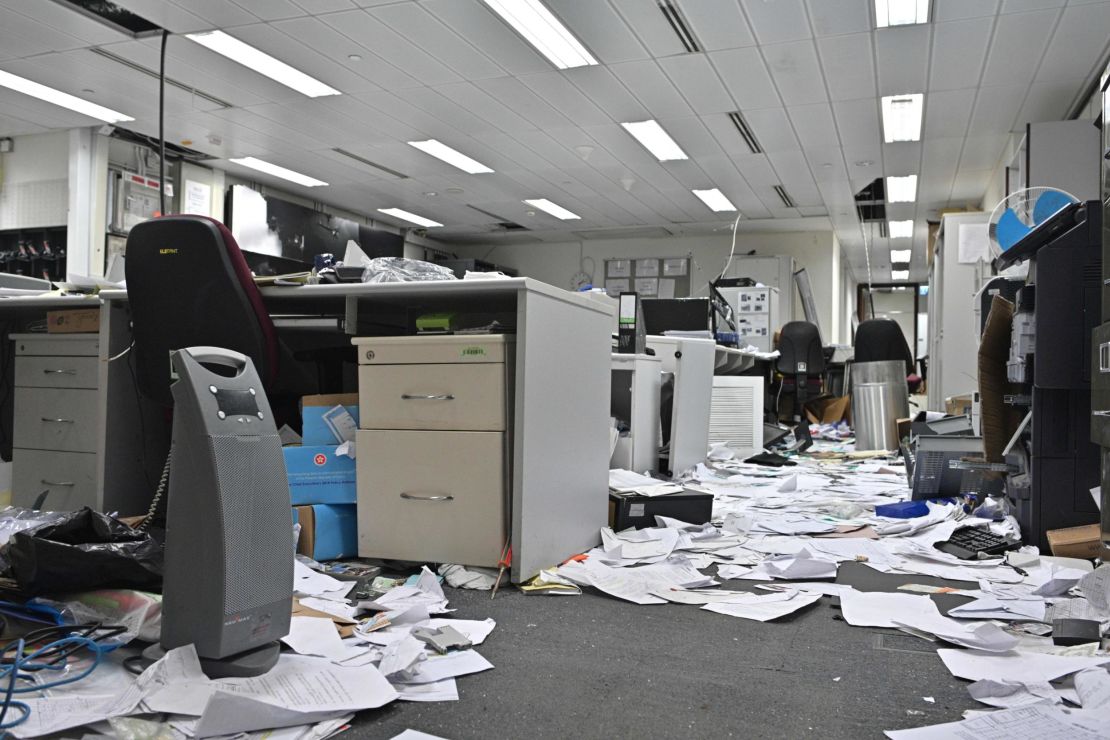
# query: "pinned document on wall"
[[974, 243], [618, 268], [666, 288], [198, 198], [647, 268], [675, 266], [618, 286], [648, 287]]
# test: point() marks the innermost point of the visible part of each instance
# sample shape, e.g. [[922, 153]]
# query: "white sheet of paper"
[[974, 243], [1096, 588], [882, 610], [308, 582], [765, 608], [416, 735], [1037, 722], [1009, 694], [989, 607], [318, 636], [452, 665], [1019, 666], [1093, 687], [402, 658], [445, 690], [981, 636]]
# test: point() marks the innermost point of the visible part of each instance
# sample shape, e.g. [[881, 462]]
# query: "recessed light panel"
[[901, 12], [899, 229], [900, 256], [901, 189], [262, 63], [278, 171], [899, 274], [412, 218], [532, 20], [715, 199], [453, 157], [554, 209], [655, 140], [59, 98], [902, 117]]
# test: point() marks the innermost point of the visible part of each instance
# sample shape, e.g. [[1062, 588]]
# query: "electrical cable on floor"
[[17, 665]]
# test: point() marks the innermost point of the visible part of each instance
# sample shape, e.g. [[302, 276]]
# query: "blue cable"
[[21, 663]]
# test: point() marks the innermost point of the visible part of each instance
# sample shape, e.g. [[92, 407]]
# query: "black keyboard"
[[968, 543]]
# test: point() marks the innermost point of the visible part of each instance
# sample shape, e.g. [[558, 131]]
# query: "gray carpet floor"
[[591, 666]]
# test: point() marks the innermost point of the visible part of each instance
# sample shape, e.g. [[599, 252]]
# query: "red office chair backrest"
[[189, 285]]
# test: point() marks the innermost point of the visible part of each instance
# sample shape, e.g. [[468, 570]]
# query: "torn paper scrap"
[[1017, 665], [765, 608]]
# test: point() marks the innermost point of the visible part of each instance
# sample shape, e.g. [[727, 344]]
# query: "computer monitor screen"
[[681, 314]]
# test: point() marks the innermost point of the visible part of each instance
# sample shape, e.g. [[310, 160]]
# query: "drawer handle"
[[414, 497], [59, 372], [433, 397], [66, 483], [1100, 413], [58, 421]]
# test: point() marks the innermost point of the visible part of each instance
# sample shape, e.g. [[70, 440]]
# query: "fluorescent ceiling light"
[[902, 117], [898, 256], [655, 140], [900, 12], [57, 97], [277, 171], [899, 274], [554, 209], [541, 29], [439, 150], [901, 189], [412, 218], [715, 199], [898, 229], [261, 62]]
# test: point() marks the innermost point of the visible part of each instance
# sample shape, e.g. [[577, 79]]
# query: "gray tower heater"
[[228, 583]]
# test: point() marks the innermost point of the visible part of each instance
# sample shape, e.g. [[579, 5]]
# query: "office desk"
[[561, 395]]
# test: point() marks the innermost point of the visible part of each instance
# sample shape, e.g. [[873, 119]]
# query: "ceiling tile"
[[423, 30], [600, 29], [982, 152], [475, 22], [439, 106], [858, 121], [950, 10], [848, 65], [317, 7], [958, 51], [835, 17], [1017, 47], [1046, 101], [697, 81], [938, 167], [375, 36], [827, 164], [1079, 43], [772, 129], [485, 106], [746, 77], [796, 72], [337, 47], [777, 21], [607, 92], [168, 15], [969, 186], [717, 24], [726, 135], [647, 82], [512, 93], [996, 109], [902, 158], [693, 137], [268, 10], [902, 55], [1020, 6], [64, 20], [814, 125], [566, 98], [948, 113], [650, 26], [300, 56]]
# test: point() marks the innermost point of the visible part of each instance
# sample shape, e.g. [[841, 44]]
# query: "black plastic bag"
[[83, 551]]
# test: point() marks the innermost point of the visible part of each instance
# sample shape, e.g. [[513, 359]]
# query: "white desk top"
[[48, 300]]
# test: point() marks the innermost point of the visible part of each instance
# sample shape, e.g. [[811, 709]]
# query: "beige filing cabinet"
[[56, 420], [433, 447]]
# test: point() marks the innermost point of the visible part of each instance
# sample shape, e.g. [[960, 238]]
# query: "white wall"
[[34, 179], [557, 262]]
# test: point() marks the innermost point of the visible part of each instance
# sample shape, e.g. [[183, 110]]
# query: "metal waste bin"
[[879, 398]]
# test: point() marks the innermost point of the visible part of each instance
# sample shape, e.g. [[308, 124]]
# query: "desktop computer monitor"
[[675, 314]]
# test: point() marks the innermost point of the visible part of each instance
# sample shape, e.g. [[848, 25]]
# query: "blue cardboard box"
[[319, 476], [315, 427], [328, 531]]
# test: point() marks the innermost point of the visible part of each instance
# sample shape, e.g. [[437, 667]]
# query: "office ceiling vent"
[[635, 232], [153, 73], [113, 16], [785, 197], [373, 165], [500, 224], [745, 132], [173, 151], [871, 203], [678, 22]]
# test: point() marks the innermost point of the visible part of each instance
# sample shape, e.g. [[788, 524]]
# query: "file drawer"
[[69, 478], [433, 349], [432, 396], [59, 419], [66, 345], [56, 372], [431, 496]]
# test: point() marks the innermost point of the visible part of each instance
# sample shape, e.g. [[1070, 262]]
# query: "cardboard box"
[[79, 321], [319, 476], [633, 510], [315, 429], [328, 531], [958, 405], [1076, 542], [829, 409]]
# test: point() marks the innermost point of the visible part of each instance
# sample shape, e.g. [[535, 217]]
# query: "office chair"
[[802, 363], [189, 285], [882, 340]]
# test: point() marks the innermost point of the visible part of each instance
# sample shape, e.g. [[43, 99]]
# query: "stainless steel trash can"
[[879, 398]]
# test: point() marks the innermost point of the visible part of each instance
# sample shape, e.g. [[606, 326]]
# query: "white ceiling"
[[806, 74]]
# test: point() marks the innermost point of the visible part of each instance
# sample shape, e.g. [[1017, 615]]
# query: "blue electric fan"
[[1021, 212]]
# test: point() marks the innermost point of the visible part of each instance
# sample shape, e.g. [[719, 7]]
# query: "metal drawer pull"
[[58, 421], [440, 397], [1104, 357], [59, 372], [67, 483], [1100, 413], [413, 497]]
